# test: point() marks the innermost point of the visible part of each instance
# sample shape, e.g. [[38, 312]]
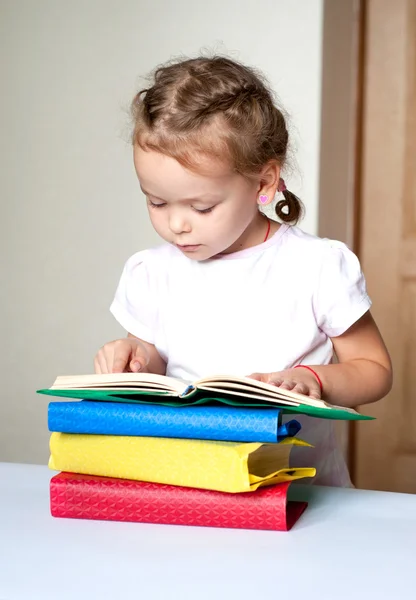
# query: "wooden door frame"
[[386, 451], [342, 102]]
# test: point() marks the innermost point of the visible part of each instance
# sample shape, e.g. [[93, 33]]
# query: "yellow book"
[[222, 466]]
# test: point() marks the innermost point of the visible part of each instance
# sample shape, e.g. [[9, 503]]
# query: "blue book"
[[225, 423]]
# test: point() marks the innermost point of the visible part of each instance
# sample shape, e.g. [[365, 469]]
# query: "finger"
[[301, 388], [315, 394], [142, 354], [97, 368], [264, 377], [276, 381], [121, 357], [101, 362], [137, 364], [287, 385]]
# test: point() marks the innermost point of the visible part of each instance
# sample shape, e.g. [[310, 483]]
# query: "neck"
[[254, 234]]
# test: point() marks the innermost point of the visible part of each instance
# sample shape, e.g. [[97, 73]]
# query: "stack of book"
[[148, 448]]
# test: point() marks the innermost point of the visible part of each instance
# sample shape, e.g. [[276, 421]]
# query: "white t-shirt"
[[263, 309]]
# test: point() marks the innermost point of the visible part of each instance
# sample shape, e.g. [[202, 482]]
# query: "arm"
[[363, 374]]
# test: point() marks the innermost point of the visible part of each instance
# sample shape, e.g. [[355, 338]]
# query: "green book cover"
[[200, 397]]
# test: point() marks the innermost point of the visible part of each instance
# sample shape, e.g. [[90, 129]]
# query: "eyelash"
[[204, 211], [153, 205]]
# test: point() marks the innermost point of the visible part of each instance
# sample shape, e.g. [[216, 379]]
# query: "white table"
[[349, 544]]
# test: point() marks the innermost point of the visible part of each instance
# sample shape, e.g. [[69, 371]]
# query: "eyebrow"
[[195, 198], [149, 194]]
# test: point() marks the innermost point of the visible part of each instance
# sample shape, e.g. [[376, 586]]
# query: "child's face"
[[201, 215]]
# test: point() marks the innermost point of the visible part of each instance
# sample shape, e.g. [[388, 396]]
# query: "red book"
[[105, 498]]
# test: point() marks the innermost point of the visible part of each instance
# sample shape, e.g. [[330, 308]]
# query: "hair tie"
[[281, 185]]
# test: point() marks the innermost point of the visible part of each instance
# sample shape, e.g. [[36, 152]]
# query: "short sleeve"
[[341, 295], [134, 304]]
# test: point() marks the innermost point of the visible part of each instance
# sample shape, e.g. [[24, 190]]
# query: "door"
[[384, 451]]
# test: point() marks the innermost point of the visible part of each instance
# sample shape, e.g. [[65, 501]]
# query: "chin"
[[205, 254], [201, 256], [197, 254]]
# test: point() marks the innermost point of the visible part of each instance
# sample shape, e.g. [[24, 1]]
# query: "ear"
[[268, 182]]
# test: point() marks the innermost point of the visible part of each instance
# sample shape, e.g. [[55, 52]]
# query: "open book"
[[160, 389]]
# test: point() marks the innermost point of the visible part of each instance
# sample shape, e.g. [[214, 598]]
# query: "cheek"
[[238, 216], [227, 226], [158, 220]]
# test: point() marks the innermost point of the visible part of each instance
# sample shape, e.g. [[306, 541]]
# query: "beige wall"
[[71, 211]]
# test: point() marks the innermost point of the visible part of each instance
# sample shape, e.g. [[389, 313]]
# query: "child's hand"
[[127, 355], [301, 381]]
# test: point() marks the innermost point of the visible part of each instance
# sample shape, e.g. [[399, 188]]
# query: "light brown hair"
[[214, 107]]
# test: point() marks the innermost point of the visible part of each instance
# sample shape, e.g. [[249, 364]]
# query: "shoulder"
[[144, 273], [316, 251], [159, 257], [296, 238]]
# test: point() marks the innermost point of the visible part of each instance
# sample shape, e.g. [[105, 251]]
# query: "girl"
[[231, 291]]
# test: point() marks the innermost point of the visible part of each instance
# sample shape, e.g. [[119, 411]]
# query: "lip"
[[189, 247]]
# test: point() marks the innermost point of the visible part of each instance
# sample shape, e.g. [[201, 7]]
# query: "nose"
[[178, 223]]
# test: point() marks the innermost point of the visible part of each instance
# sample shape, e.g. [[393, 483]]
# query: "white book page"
[[226, 383], [148, 381]]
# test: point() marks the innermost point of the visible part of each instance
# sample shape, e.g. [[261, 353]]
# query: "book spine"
[[188, 391], [100, 498]]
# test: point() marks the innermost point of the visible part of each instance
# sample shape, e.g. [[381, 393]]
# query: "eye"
[[154, 205], [204, 211]]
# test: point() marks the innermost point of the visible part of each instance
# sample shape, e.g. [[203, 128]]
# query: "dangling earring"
[[263, 199]]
